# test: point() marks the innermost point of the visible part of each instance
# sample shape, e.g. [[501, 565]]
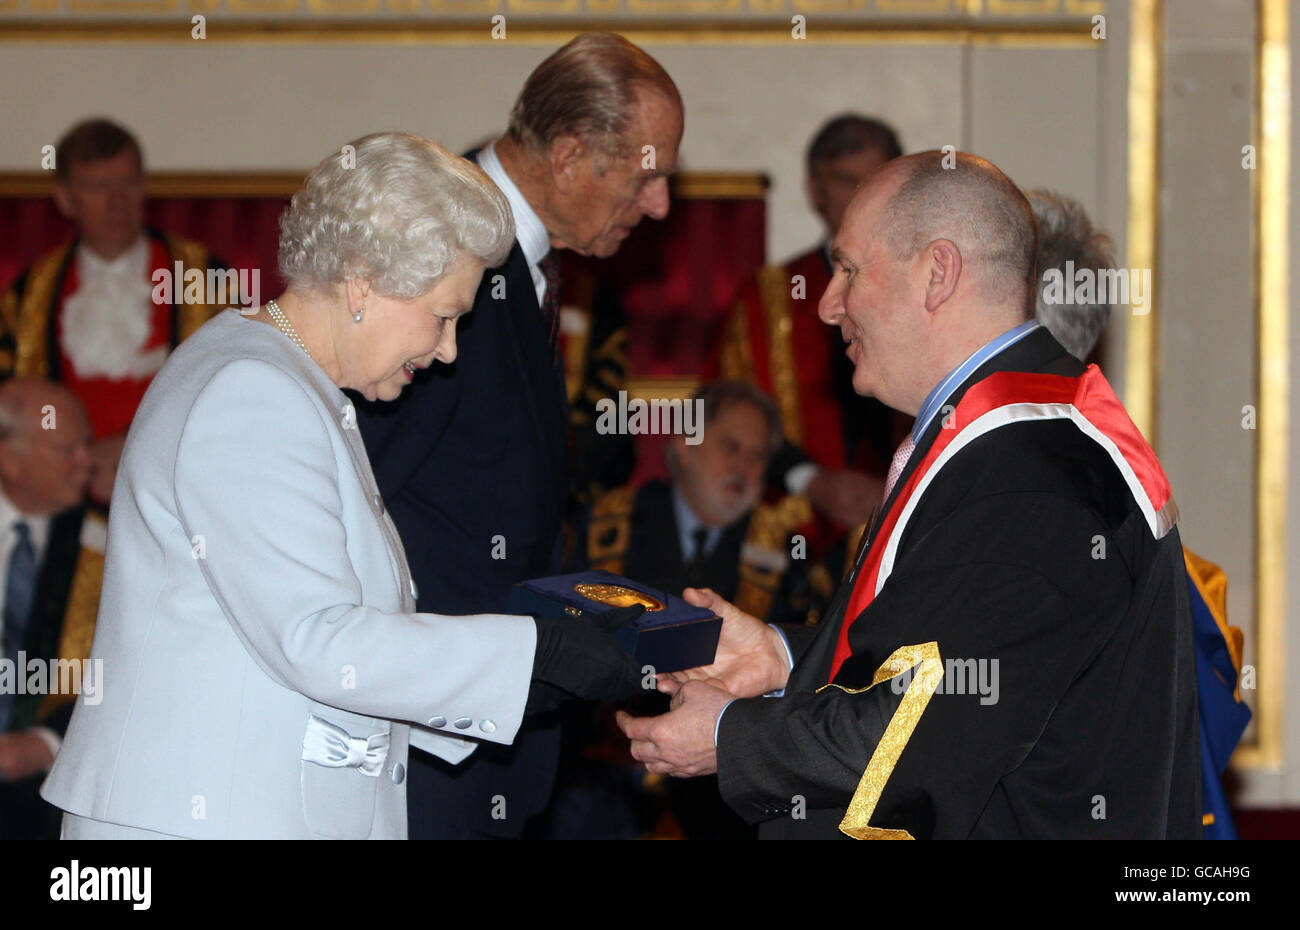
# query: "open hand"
[[751, 659]]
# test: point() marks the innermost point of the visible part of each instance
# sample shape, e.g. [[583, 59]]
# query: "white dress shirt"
[[529, 230], [40, 531], [109, 320]]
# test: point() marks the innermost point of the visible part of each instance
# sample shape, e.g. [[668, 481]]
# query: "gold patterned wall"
[[930, 13]]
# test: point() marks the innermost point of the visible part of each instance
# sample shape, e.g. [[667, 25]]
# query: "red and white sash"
[[1003, 398]]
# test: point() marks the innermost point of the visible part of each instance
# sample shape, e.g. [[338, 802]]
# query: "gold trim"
[[704, 7], [664, 388], [78, 632], [123, 6], [774, 298], [920, 689], [720, 185], [344, 6], [687, 185], [543, 6], [736, 356], [705, 32], [1272, 247], [1143, 206], [31, 355]]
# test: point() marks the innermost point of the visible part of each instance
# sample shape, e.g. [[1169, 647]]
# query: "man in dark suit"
[[708, 527], [45, 465], [472, 460], [1012, 655]]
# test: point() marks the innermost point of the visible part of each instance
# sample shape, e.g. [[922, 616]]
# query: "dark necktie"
[[695, 574], [550, 268], [20, 591]]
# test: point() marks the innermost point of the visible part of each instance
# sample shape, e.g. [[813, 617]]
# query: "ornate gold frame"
[[1271, 247], [714, 32], [689, 185]]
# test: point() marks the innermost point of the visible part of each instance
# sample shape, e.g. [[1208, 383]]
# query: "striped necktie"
[[550, 268]]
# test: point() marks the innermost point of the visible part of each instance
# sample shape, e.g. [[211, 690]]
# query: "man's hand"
[[751, 658], [844, 495], [680, 742], [104, 455], [22, 755]]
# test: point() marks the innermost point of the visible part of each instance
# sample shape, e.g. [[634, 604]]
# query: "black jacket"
[[24, 815], [471, 465], [1093, 733]]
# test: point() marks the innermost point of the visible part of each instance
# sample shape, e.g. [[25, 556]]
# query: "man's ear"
[[566, 154], [943, 268], [63, 200]]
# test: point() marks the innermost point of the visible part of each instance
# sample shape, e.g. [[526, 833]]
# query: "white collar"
[[529, 229], [131, 262], [39, 525]]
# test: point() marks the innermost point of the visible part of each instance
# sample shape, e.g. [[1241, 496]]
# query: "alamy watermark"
[[53, 676], [656, 417], [1097, 286], [219, 287], [957, 676]]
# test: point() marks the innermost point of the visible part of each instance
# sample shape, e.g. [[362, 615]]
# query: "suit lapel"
[[53, 581], [530, 344]]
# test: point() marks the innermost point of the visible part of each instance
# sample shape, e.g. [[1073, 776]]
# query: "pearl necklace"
[[283, 325]]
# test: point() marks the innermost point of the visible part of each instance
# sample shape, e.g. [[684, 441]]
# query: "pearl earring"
[[356, 317]]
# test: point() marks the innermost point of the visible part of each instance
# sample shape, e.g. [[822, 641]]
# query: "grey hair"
[[715, 395], [975, 205], [588, 88], [396, 210], [1065, 233]]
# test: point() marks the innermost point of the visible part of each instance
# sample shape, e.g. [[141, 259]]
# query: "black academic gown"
[[1093, 733], [23, 813]]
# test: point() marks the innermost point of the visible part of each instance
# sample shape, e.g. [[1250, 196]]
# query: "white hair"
[[396, 210], [1066, 234]]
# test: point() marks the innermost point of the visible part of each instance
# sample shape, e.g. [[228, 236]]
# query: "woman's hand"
[[579, 658]]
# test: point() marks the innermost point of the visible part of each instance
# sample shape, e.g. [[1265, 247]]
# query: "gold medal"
[[616, 595]]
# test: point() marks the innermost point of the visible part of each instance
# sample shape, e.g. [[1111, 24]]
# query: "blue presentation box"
[[670, 636]]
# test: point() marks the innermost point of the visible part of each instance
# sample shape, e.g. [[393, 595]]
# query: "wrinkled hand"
[[680, 742], [751, 658], [104, 456], [844, 495], [22, 755]]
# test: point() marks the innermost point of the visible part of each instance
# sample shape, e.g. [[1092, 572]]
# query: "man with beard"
[[705, 527]]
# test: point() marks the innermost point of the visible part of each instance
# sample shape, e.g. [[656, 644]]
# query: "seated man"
[[83, 313], [52, 561], [706, 527]]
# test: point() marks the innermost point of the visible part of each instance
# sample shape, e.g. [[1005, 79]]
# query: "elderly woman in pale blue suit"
[[265, 669]]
